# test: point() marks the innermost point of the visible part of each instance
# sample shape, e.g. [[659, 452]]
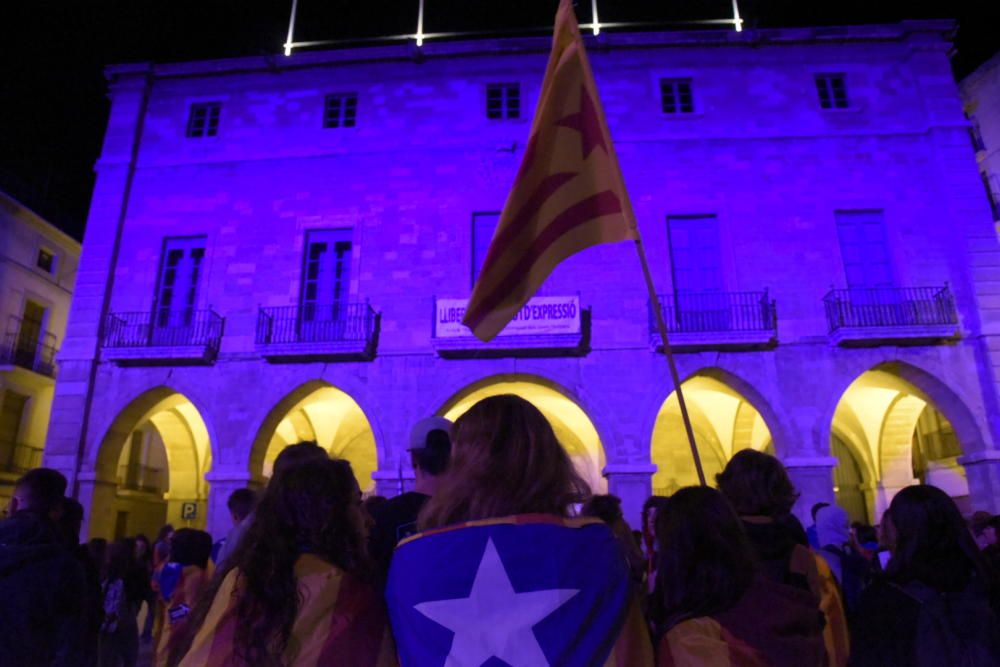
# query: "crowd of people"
[[502, 540]]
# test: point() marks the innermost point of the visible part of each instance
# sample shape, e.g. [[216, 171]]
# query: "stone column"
[[982, 469], [221, 483], [633, 483], [813, 478], [391, 483]]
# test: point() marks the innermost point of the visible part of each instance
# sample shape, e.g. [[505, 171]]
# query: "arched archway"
[[326, 414], [572, 426], [724, 420], [150, 467], [896, 433]]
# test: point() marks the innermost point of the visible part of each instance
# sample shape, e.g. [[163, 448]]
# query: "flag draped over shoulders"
[[529, 590], [568, 195], [340, 621]]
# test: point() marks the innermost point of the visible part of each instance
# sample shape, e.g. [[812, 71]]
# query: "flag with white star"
[[525, 591]]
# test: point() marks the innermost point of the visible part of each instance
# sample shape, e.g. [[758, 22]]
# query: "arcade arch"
[[724, 422], [888, 434], [572, 426], [325, 414], [150, 468]]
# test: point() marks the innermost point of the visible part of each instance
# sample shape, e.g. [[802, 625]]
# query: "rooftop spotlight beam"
[[291, 28]]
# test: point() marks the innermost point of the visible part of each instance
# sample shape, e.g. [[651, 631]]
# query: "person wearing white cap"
[[430, 452]]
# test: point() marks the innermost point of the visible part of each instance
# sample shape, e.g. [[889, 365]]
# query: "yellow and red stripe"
[[340, 621]]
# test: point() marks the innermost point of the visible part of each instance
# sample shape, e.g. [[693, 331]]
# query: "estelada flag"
[[528, 590], [339, 621], [568, 195]]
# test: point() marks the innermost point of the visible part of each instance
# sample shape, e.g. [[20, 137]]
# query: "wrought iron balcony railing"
[[28, 347], [180, 328], [17, 457], [310, 323], [716, 312], [890, 307]]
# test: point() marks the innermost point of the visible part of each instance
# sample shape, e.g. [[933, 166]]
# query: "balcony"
[[900, 315], [29, 348], [716, 320], [18, 458], [163, 338], [344, 331], [547, 326], [141, 478]]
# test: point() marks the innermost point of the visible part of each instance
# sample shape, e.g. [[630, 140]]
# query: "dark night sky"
[[52, 54]]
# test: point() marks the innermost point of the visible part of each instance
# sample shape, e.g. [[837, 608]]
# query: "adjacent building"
[[981, 97], [37, 272], [281, 249]]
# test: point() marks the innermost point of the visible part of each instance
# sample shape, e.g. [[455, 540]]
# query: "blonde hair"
[[505, 460]]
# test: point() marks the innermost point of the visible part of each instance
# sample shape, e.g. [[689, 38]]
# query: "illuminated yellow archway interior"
[[159, 472], [724, 422], [336, 423], [570, 423], [887, 435]]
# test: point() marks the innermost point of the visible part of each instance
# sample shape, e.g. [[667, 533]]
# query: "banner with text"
[[541, 316]]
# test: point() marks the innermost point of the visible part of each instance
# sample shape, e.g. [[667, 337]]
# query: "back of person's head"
[[757, 484], [70, 521], [929, 540], [607, 508], [430, 445], [505, 460], [40, 490], [118, 560], [816, 508], [706, 562], [165, 533], [313, 507], [191, 547], [241, 502], [300, 452], [864, 533]]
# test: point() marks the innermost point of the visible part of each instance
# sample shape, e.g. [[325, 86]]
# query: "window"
[[695, 252], [864, 249], [503, 101], [46, 261], [675, 96], [29, 334], [832, 90], [204, 120], [340, 110], [177, 287], [699, 302], [484, 225], [326, 278], [11, 414]]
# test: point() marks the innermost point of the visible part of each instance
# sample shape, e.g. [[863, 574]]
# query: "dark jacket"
[[42, 596], [916, 625], [777, 544]]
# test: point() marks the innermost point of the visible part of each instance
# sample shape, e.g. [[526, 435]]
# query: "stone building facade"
[[277, 248], [37, 272]]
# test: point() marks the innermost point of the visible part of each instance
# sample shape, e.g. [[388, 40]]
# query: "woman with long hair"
[[118, 643], [711, 601], [505, 460], [504, 510], [932, 607], [296, 591]]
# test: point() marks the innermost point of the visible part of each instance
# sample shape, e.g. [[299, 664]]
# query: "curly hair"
[[313, 507], [505, 460]]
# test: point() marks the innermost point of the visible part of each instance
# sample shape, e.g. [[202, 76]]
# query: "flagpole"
[[654, 301]]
